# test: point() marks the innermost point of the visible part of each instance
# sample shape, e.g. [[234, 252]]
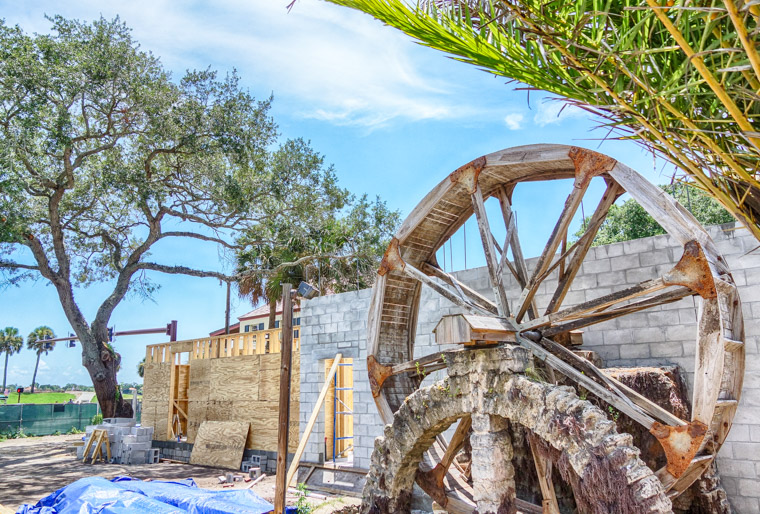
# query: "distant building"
[[256, 322]]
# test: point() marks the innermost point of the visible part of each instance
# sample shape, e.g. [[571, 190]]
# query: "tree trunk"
[[5, 372], [34, 378], [272, 313], [101, 363]]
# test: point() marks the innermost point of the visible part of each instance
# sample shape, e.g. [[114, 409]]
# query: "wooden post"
[[286, 351], [227, 312]]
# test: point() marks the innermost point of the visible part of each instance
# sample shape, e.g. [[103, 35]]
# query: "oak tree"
[[103, 155]]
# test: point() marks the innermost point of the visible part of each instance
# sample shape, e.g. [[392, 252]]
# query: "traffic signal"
[[110, 334], [71, 343], [171, 330]]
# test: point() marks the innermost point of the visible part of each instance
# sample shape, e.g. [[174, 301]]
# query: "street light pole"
[[286, 351]]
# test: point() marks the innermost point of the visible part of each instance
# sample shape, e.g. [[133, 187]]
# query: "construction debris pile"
[[119, 441]]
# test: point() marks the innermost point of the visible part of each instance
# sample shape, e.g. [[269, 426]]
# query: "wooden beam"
[[312, 420], [622, 404], [283, 429], [486, 237], [544, 261], [172, 390], [544, 472], [598, 304], [466, 290], [435, 286], [592, 319], [566, 278]]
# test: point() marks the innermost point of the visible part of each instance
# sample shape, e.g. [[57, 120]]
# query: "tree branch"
[[183, 270], [202, 237], [18, 265]]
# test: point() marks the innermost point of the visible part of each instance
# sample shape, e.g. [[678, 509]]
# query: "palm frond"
[[681, 79]]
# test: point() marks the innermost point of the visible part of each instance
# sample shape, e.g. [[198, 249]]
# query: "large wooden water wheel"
[[544, 328]]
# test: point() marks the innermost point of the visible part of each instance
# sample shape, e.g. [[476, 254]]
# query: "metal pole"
[[286, 351]]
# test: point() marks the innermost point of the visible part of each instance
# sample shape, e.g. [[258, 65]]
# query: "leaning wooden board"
[[220, 444]]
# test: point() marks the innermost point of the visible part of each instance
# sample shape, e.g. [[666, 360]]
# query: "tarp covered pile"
[[124, 495]]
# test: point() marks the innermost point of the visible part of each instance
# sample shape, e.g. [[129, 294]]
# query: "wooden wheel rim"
[[396, 294]]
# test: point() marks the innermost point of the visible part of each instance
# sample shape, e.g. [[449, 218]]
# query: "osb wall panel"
[[220, 444], [243, 388], [155, 409]]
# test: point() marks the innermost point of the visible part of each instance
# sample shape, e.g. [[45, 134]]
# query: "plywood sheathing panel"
[[234, 378], [156, 398], [220, 444], [225, 389]]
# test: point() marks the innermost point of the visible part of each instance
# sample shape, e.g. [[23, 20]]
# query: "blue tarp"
[[124, 495]]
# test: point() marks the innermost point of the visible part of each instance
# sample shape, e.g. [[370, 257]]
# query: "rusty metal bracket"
[[693, 271], [467, 175], [391, 259], [679, 443], [432, 483], [378, 374], [589, 164]]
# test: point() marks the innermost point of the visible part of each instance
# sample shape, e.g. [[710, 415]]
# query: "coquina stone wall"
[[663, 335]]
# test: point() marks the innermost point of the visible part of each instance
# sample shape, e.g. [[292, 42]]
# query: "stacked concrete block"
[[661, 336], [255, 462], [129, 444]]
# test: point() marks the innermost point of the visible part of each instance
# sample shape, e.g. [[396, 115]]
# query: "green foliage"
[[630, 221], [337, 243], [675, 79], [10, 342], [302, 504], [103, 155], [141, 368], [75, 430], [97, 419], [36, 340]]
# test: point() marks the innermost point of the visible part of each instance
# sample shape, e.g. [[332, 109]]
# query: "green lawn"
[[41, 397]]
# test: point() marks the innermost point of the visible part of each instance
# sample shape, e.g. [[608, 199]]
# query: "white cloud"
[[321, 61], [514, 121], [552, 111]]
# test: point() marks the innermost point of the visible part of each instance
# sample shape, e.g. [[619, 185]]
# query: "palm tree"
[[37, 341], [680, 77], [10, 342], [265, 283]]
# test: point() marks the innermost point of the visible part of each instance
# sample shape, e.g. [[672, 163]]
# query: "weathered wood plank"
[[544, 261], [567, 276], [490, 253]]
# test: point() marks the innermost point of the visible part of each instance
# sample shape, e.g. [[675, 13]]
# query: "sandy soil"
[[32, 468]]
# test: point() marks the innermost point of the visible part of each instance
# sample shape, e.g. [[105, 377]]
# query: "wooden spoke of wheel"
[[568, 275], [396, 297], [606, 315], [486, 237], [456, 299], [544, 473], [598, 305], [545, 260], [463, 289]]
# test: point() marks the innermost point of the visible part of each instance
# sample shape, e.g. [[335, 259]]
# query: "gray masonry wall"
[[663, 335]]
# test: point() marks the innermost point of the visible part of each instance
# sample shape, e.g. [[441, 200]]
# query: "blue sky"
[[392, 116]]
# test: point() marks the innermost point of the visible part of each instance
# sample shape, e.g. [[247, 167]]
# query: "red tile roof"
[[263, 311]]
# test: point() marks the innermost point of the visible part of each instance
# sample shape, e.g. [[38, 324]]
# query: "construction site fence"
[[46, 418]]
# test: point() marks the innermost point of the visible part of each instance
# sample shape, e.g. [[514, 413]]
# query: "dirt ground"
[[32, 468]]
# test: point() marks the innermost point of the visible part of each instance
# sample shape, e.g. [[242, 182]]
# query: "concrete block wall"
[[662, 335]]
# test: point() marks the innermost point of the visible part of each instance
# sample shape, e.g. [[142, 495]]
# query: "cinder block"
[[153, 456]]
